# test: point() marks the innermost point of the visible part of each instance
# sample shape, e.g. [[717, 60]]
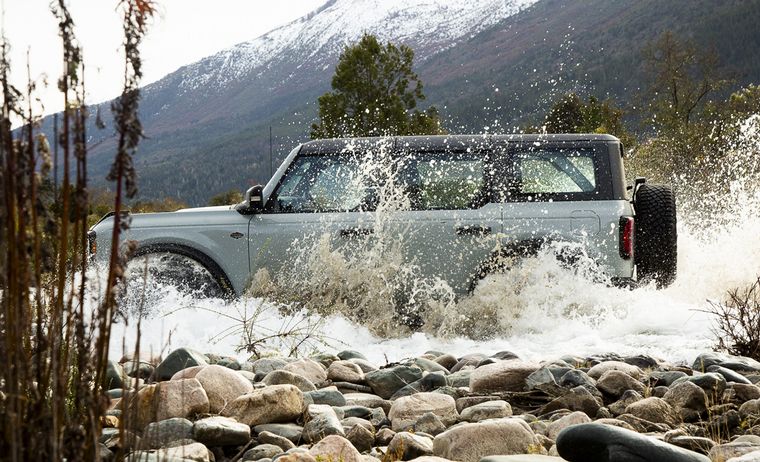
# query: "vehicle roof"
[[444, 141]]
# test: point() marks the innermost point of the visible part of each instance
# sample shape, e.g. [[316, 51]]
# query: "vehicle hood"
[[200, 216]]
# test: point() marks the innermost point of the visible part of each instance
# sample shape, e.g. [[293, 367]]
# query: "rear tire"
[[656, 236]]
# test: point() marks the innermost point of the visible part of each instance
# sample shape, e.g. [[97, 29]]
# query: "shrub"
[[738, 321]]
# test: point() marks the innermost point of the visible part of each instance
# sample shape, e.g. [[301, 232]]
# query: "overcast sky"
[[183, 32]]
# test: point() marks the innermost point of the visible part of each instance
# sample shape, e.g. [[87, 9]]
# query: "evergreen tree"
[[375, 92], [572, 115]]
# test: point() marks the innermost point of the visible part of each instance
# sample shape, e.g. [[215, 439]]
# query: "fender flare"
[[208, 263], [519, 249]]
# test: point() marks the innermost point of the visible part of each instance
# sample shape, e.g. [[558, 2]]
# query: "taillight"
[[626, 237]]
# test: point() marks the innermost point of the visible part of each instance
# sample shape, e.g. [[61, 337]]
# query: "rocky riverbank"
[[433, 408]]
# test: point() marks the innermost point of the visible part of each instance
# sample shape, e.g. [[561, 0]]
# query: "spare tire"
[[656, 237]]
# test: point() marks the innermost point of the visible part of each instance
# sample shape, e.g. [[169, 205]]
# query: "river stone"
[[578, 399], [502, 376], [576, 377], [335, 448], [597, 371], [386, 382], [364, 365], [459, 379], [712, 383], [574, 418], [138, 369], [729, 375], [179, 359], [361, 437], [270, 438], [665, 378], [698, 444], [275, 403], [192, 451], [653, 409], [284, 377], [749, 457], [688, 400], [221, 431], [407, 410], [488, 410], [267, 365], [618, 407], [159, 434], [468, 360], [726, 451], [430, 366], [429, 423], [187, 373], [750, 410], [262, 451], [115, 376], [736, 363], [542, 380], [174, 398], [446, 360], [522, 458], [430, 382], [745, 392], [322, 421], [329, 395], [592, 442], [308, 368], [345, 371], [615, 383], [351, 354], [291, 431], [470, 442], [367, 400], [408, 446], [222, 386]]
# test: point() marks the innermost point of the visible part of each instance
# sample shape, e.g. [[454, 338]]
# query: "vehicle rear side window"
[[444, 180], [546, 173]]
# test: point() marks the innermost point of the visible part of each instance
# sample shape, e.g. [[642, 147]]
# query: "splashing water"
[[540, 310]]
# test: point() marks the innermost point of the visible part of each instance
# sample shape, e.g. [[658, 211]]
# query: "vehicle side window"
[[445, 180], [554, 173], [321, 183]]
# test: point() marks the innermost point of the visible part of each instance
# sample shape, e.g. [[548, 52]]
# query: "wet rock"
[[750, 457], [159, 434], [283, 377], [192, 451], [297, 455], [309, 369], [325, 359], [603, 443], [351, 354], [386, 382], [522, 458], [277, 440], [222, 386], [614, 383], [736, 363], [329, 395], [665, 378], [575, 418], [384, 436], [428, 365], [745, 392], [729, 375], [408, 446], [446, 360], [502, 376], [659, 391], [429, 423], [187, 373], [578, 399], [488, 410], [471, 441], [653, 409], [467, 401], [430, 382], [597, 371], [364, 365], [322, 421], [505, 355], [262, 451], [727, 451], [642, 361], [750, 410], [576, 377], [460, 378], [725, 423], [335, 448], [290, 431], [267, 365], [179, 359], [616, 423], [275, 403], [688, 400], [697, 444], [115, 376], [469, 360], [629, 397], [407, 410], [367, 400], [544, 380], [138, 369], [221, 431], [345, 371], [712, 383], [361, 437], [174, 398]]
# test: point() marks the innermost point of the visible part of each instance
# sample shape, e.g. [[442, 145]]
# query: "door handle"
[[468, 230], [356, 232]]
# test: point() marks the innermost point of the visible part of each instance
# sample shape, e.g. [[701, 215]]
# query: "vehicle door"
[[553, 192], [451, 224], [323, 204]]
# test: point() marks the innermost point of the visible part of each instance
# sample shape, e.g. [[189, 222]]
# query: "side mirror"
[[254, 200]]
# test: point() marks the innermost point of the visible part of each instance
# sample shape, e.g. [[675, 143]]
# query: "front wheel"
[[156, 271], [656, 236]]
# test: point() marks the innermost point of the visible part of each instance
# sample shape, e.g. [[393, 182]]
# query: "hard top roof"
[[442, 141]]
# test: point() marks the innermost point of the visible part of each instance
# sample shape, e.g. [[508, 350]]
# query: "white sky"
[[183, 32]]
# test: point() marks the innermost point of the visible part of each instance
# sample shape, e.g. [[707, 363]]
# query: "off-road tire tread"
[[656, 235]]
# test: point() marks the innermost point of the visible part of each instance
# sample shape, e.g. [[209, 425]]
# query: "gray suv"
[[462, 204]]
